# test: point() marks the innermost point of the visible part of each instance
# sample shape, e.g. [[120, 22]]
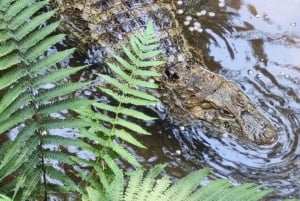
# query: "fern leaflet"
[[26, 108]]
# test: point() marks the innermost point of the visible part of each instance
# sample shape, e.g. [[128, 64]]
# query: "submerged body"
[[188, 87]]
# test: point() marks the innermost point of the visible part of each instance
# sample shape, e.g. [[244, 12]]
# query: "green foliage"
[[4, 198], [114, 123], [150, 188], [26, 107], [32, 157]]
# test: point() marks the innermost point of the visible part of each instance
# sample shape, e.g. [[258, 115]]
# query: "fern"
[[148, 188], [110, 127], [4, 198], [26, 120], [25, 105]]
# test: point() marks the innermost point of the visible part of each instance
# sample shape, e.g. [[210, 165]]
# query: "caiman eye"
[[227, 113], [206, 105]]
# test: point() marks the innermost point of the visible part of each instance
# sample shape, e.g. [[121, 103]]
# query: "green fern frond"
[[64, 141], [117, 188], [59, 91], [15, 8], [31, 182], [4, 198], [12, 95], [124, 154], [42, 46], [11, 77], [207, 192], [110, 123], [149, 188], [60, 176], [26, 29], [27, 108], [124, 111], [63, 105], [127, 137], [9, 60], [55, 76], [37, 36], [26, 13], [134, 185], [192, 181], [17, 118], [12, 148], [48, 61]]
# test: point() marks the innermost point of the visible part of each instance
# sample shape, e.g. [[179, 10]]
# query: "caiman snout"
[[258, 129], [226, 107]]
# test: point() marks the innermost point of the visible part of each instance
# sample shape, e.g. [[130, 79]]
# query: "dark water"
[[256, 44]]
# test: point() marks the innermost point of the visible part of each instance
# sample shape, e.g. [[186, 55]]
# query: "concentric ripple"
[[249, 43]]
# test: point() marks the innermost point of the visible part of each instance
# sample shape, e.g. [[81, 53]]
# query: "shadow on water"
[[250, 43]]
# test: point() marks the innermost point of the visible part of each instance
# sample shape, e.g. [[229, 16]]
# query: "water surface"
[[255, 44]]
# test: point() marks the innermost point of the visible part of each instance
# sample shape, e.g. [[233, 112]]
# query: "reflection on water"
[[256, 44]]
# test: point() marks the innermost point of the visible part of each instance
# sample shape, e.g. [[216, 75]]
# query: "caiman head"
[[210, 97]]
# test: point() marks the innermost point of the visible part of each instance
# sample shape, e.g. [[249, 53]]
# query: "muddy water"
[[256, 44]]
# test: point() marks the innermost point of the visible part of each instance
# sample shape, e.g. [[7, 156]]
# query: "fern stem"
[[44, 173]]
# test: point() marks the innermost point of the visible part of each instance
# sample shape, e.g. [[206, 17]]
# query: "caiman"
[[189, 89]]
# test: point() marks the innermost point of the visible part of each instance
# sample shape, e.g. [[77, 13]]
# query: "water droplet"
[[211, 14], [161, 107], [179, 2], [188, 18], [266, 17], [43, 133], [178, 152], [296, 80], [293, 24], [258, 76], [198, 14], [181, 128], [202, 12], [151, 81], [222, 4], [250, 72], [257, 16], [282, 73], [197, 24], [152, 159], [191, 28], [180, 11], [87, 92], [199, 29], [187, 22]]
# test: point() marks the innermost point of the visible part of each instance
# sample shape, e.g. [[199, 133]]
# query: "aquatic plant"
[[34, 159]]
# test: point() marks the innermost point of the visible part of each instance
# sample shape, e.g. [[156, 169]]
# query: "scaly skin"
[[188, 87]]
